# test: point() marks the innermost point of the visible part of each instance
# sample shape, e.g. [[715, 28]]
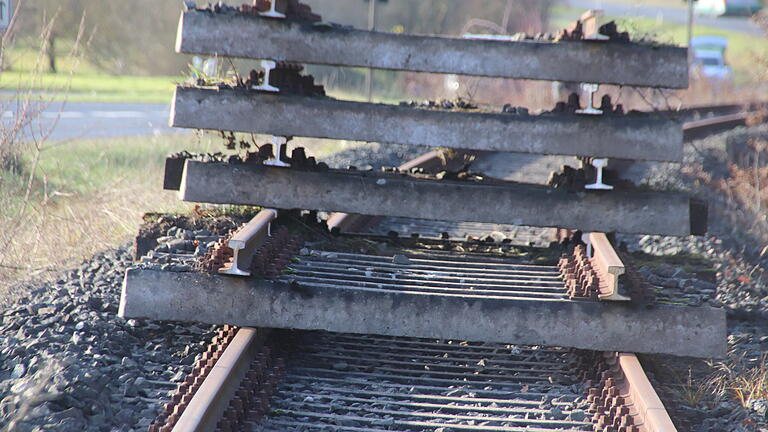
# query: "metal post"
[[369, 71], [690, 31]]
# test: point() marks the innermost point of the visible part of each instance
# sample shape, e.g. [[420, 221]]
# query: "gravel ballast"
[[68, 363]]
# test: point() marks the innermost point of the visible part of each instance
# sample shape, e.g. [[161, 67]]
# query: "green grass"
[[85, 81], [92, 87], [85, 167], [86, 196]]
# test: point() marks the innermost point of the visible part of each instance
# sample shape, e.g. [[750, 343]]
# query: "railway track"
[[278, 380], [259, 379], [699, 129], [432, 309], [335, 360]]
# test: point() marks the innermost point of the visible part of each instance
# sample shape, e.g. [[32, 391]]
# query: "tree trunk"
[[50, 52]]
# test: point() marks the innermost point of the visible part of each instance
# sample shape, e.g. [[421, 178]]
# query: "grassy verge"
[[87, 82], [85, 196], [89, 195], [92, 87]]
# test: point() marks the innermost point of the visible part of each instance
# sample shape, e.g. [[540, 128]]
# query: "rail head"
[[246, 241], [212, 398], [651, 415], [608, 266]]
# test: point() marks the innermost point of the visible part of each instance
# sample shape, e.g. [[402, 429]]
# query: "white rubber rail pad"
[[634, 136], [632, 64]]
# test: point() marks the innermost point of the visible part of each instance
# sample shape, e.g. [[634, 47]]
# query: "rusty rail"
[[647, 409], [698, 129], [236, 391], [212, 398]]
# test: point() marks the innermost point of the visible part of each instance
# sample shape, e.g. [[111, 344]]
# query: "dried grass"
[[751, 385], [744, 192], [58, 233], [694, 391]]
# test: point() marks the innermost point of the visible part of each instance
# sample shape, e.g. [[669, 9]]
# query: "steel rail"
[[608, 266], [624, 397], [246, 241], [646, 408], [699, 129], [212, 398]]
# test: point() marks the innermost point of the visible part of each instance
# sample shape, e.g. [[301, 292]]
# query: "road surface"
[[675, 14], [76, 120]]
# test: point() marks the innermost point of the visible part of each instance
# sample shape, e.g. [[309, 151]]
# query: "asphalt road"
[[76, 120], [675, 14]]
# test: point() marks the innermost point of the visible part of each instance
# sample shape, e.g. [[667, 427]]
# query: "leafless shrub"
[[23, 138], [747, 187]]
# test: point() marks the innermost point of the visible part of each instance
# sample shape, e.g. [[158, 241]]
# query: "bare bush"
[[23, 138]]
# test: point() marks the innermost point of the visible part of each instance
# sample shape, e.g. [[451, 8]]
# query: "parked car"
[[709, 58], [728, 7]]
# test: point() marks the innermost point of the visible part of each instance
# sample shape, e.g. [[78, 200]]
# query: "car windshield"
[[710, 62]]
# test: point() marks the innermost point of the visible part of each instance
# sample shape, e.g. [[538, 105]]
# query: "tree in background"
[[131, 37], [439, 16]]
